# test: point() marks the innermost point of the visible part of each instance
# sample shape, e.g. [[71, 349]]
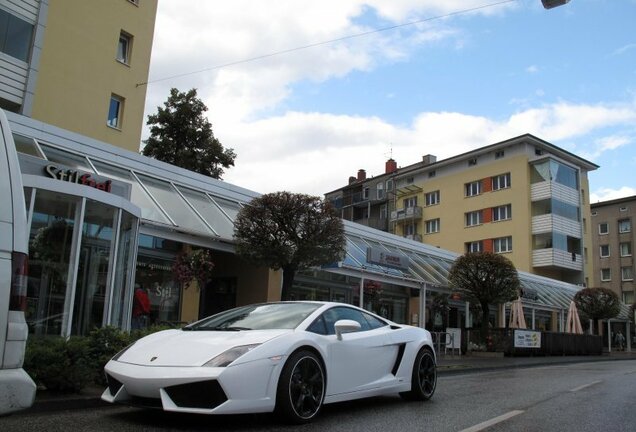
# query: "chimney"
[[429, 159], [352, 179], [390, 166], [362, 174]]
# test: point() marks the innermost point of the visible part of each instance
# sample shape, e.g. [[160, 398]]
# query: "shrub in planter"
[[59, 364], [103, 344]]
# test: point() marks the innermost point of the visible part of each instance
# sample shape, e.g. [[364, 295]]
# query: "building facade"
[[522, 197], [613, 239], [76, 64]]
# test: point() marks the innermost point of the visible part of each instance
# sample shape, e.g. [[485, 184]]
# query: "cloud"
[[605, 194], [622, 50], [532, 69]]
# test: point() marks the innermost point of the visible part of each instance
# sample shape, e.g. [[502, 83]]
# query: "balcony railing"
[[416, 237], [557, 258], [404, 214]]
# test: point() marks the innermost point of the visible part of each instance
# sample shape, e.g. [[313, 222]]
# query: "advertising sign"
[[527, 339], [391, 259]]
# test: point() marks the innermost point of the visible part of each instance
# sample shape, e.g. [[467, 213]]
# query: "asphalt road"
[[599, 396]]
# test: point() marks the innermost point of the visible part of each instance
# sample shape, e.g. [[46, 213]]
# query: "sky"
[[307, 92]]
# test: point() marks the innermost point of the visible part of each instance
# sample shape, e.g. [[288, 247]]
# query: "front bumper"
[[248, 387]]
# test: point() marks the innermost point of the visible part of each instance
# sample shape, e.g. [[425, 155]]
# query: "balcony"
[[557, 258], [548, 223], [547, 190], [415, 237], [374, 222], [406, 214]]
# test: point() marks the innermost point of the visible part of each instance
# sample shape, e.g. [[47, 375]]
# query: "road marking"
[[492, 422], [585, 386]]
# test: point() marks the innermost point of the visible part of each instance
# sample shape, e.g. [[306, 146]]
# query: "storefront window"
[[92, 273], [154, 273], [50, 244], [120, 296]]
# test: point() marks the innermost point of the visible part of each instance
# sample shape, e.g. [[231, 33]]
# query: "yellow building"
[[76, 64], [522, 197]]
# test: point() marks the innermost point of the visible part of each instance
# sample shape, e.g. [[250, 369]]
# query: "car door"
[[361, 360]]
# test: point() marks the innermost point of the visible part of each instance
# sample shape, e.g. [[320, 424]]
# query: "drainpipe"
[[609, 336]]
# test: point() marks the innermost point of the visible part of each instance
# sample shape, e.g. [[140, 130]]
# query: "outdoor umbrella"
[[573, 323], [517, 320]]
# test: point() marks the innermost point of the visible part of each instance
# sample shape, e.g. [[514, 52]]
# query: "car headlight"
[[230, 355]]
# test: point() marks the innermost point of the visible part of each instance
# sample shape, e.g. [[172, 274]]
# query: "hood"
[[191, 348]]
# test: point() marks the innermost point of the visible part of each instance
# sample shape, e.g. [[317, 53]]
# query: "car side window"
[[374, 322], [318, 326], [339, 313]]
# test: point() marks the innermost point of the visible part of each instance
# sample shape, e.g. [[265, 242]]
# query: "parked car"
[[288, 357]]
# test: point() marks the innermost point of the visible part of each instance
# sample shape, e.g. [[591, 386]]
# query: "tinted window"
[[366, 321], [374, 322], [318, 326]]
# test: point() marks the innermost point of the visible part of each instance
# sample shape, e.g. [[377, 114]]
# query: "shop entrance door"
[[219, 295]]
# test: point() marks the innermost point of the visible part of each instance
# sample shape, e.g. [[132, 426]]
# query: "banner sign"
[[527, 339], [386, 258]]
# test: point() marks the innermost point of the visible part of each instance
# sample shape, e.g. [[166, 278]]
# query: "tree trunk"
[[485, 318], [288, 281]]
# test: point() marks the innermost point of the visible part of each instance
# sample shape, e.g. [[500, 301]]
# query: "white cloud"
[[605, 194], [532, 69]]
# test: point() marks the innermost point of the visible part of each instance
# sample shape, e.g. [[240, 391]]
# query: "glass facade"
[[551, 170]]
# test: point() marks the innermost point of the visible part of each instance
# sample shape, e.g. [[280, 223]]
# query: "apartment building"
[[613, 238], [522, 197], [76, 64]]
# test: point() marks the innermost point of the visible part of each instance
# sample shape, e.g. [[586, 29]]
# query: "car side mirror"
[[346, 326]]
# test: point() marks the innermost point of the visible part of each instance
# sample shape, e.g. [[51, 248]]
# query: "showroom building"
[[103, 220]]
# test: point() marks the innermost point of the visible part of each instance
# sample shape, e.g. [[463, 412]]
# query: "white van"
[[17, 389]]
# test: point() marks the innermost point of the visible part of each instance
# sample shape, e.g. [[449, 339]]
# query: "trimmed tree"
[[180, 135], [597, 303], [288, 231], [485, 278]]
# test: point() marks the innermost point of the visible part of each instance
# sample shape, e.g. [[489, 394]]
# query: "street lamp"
[[549, 4]]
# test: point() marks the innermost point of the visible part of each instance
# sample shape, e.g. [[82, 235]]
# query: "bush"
[[69, 365], [59, 364]]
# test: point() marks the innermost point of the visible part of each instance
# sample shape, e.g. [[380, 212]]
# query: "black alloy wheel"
[[301, 388], [424, 377]]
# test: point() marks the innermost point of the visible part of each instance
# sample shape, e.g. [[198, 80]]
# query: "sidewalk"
[[447, 364]]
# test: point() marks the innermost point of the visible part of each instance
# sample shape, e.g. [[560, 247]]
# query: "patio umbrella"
[[573, 322], [517, 320]]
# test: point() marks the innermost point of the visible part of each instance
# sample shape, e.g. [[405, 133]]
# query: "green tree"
[[288, 231], [180, 135], [597, 303], [485, 278]]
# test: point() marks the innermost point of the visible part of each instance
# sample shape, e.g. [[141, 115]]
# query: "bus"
[[17, 389]]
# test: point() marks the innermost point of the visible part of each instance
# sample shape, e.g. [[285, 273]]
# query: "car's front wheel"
[[423, 378], [301, 388]]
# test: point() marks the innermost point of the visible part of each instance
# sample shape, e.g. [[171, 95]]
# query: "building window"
[[594, 213], [410, 230], [605, 251], [432, 198], [473, 188], [432, 226], [472, 162], [538, 152], [389, 185], [626, 249], [499, 154], [383, 211], [15, 36], [410, 202], [502, 212], [501, 181], [627, 274], [365, 193], [476, 246], [380, 188], [628, 297], [606, 275], [124, 47], [115, 111], [431, 174], [474, 218], [503, 244], [603, 228], [624, 226], [409, 180]]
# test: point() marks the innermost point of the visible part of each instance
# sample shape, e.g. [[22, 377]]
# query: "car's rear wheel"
[[301, 388], [424, 376]]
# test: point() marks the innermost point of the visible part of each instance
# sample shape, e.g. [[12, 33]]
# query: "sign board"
[[456, 341], [386, 258], [527, 339]]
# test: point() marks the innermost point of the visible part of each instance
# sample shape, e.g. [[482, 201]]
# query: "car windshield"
[[257, 317]]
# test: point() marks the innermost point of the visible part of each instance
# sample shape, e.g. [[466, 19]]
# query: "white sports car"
[[288, 357]]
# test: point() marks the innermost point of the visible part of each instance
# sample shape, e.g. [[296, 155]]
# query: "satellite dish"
[[549, 4]]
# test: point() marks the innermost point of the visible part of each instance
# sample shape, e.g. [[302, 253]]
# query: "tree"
[[597, 303], [485, 278], [180, 135], [288, 231]]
